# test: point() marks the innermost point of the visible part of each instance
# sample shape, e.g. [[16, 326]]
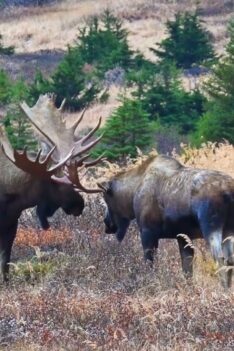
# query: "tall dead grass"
[[54, 27], [84, 291]]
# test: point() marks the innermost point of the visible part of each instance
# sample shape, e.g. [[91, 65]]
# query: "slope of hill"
[[75, 288], [54, 27]]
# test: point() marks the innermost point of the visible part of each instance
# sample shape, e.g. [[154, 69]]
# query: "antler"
[[37, 167], [73, 174], [60, 141], [49, 122]]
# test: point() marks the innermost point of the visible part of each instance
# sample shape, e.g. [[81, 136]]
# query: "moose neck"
[[124, 188]]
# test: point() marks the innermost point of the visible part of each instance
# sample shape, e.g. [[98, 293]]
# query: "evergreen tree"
[[166, 101], [5, 87], [188, 43], [101, 45], [124, 131], [218, 121], [15, 122]]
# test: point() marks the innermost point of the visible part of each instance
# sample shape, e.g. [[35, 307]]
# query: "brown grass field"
[[74, 288]]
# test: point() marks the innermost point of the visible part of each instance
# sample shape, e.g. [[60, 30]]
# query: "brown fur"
[[167, 199], [20, 190]]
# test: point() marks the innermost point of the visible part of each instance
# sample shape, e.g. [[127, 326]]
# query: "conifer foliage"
[[218, 121], [188, 43], [124, 131]]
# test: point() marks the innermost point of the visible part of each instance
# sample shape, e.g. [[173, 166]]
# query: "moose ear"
[[106, 187]]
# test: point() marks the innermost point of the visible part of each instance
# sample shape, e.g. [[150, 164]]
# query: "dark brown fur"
[[18, 191]]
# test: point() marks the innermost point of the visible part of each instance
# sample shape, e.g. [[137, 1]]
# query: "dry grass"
[[84, 291], [74, 288], [212, 156], [54, 27]]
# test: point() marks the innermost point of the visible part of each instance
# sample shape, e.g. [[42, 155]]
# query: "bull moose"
[[168, 199], [45, 181]]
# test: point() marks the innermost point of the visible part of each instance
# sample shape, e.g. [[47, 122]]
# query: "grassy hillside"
[[54, 27], [75, 288]]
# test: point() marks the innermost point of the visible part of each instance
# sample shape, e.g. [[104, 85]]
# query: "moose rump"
[[167, 200]]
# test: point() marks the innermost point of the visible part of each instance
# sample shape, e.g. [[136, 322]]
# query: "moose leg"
[[228, 252], [149, 241], [6, 241], [187, 255], [122, 224], [211, 220]]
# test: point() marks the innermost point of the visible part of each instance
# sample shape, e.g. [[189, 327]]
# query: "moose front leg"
[[7, 236], [187, 255], [149, 240]]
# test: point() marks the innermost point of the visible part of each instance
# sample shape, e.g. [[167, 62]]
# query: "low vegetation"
[[74, 287], [101, 57]]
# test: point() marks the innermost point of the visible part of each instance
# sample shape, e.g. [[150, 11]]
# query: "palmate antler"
[[52, 129], [59, 139]]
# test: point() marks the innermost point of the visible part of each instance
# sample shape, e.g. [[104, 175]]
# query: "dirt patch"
[[26, 65]]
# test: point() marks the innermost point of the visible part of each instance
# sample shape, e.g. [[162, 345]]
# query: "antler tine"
[[6, 146], [79, 144], [81, 162], [74, 178], [36, 167], [28, 113], [62, 105], [75, 125], [62, 162], [86, 147], [94, 162], [47, 159], [86, 137], [38, 155]]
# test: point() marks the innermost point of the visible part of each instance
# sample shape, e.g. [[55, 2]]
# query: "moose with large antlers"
[[169, 200], [50, 180]]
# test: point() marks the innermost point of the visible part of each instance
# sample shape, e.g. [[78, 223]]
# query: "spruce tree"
[[165, 100], [16, 124], [218, 121], [188, 43], [100, 46], [125, 130]]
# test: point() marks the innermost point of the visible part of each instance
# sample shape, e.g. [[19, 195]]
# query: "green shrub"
[[35, 269], [188, 43]]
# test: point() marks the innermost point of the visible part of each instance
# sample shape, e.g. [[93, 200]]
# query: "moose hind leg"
[[6, 241], [212, 219], [219, 251], [228, 252], [187, 255]]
